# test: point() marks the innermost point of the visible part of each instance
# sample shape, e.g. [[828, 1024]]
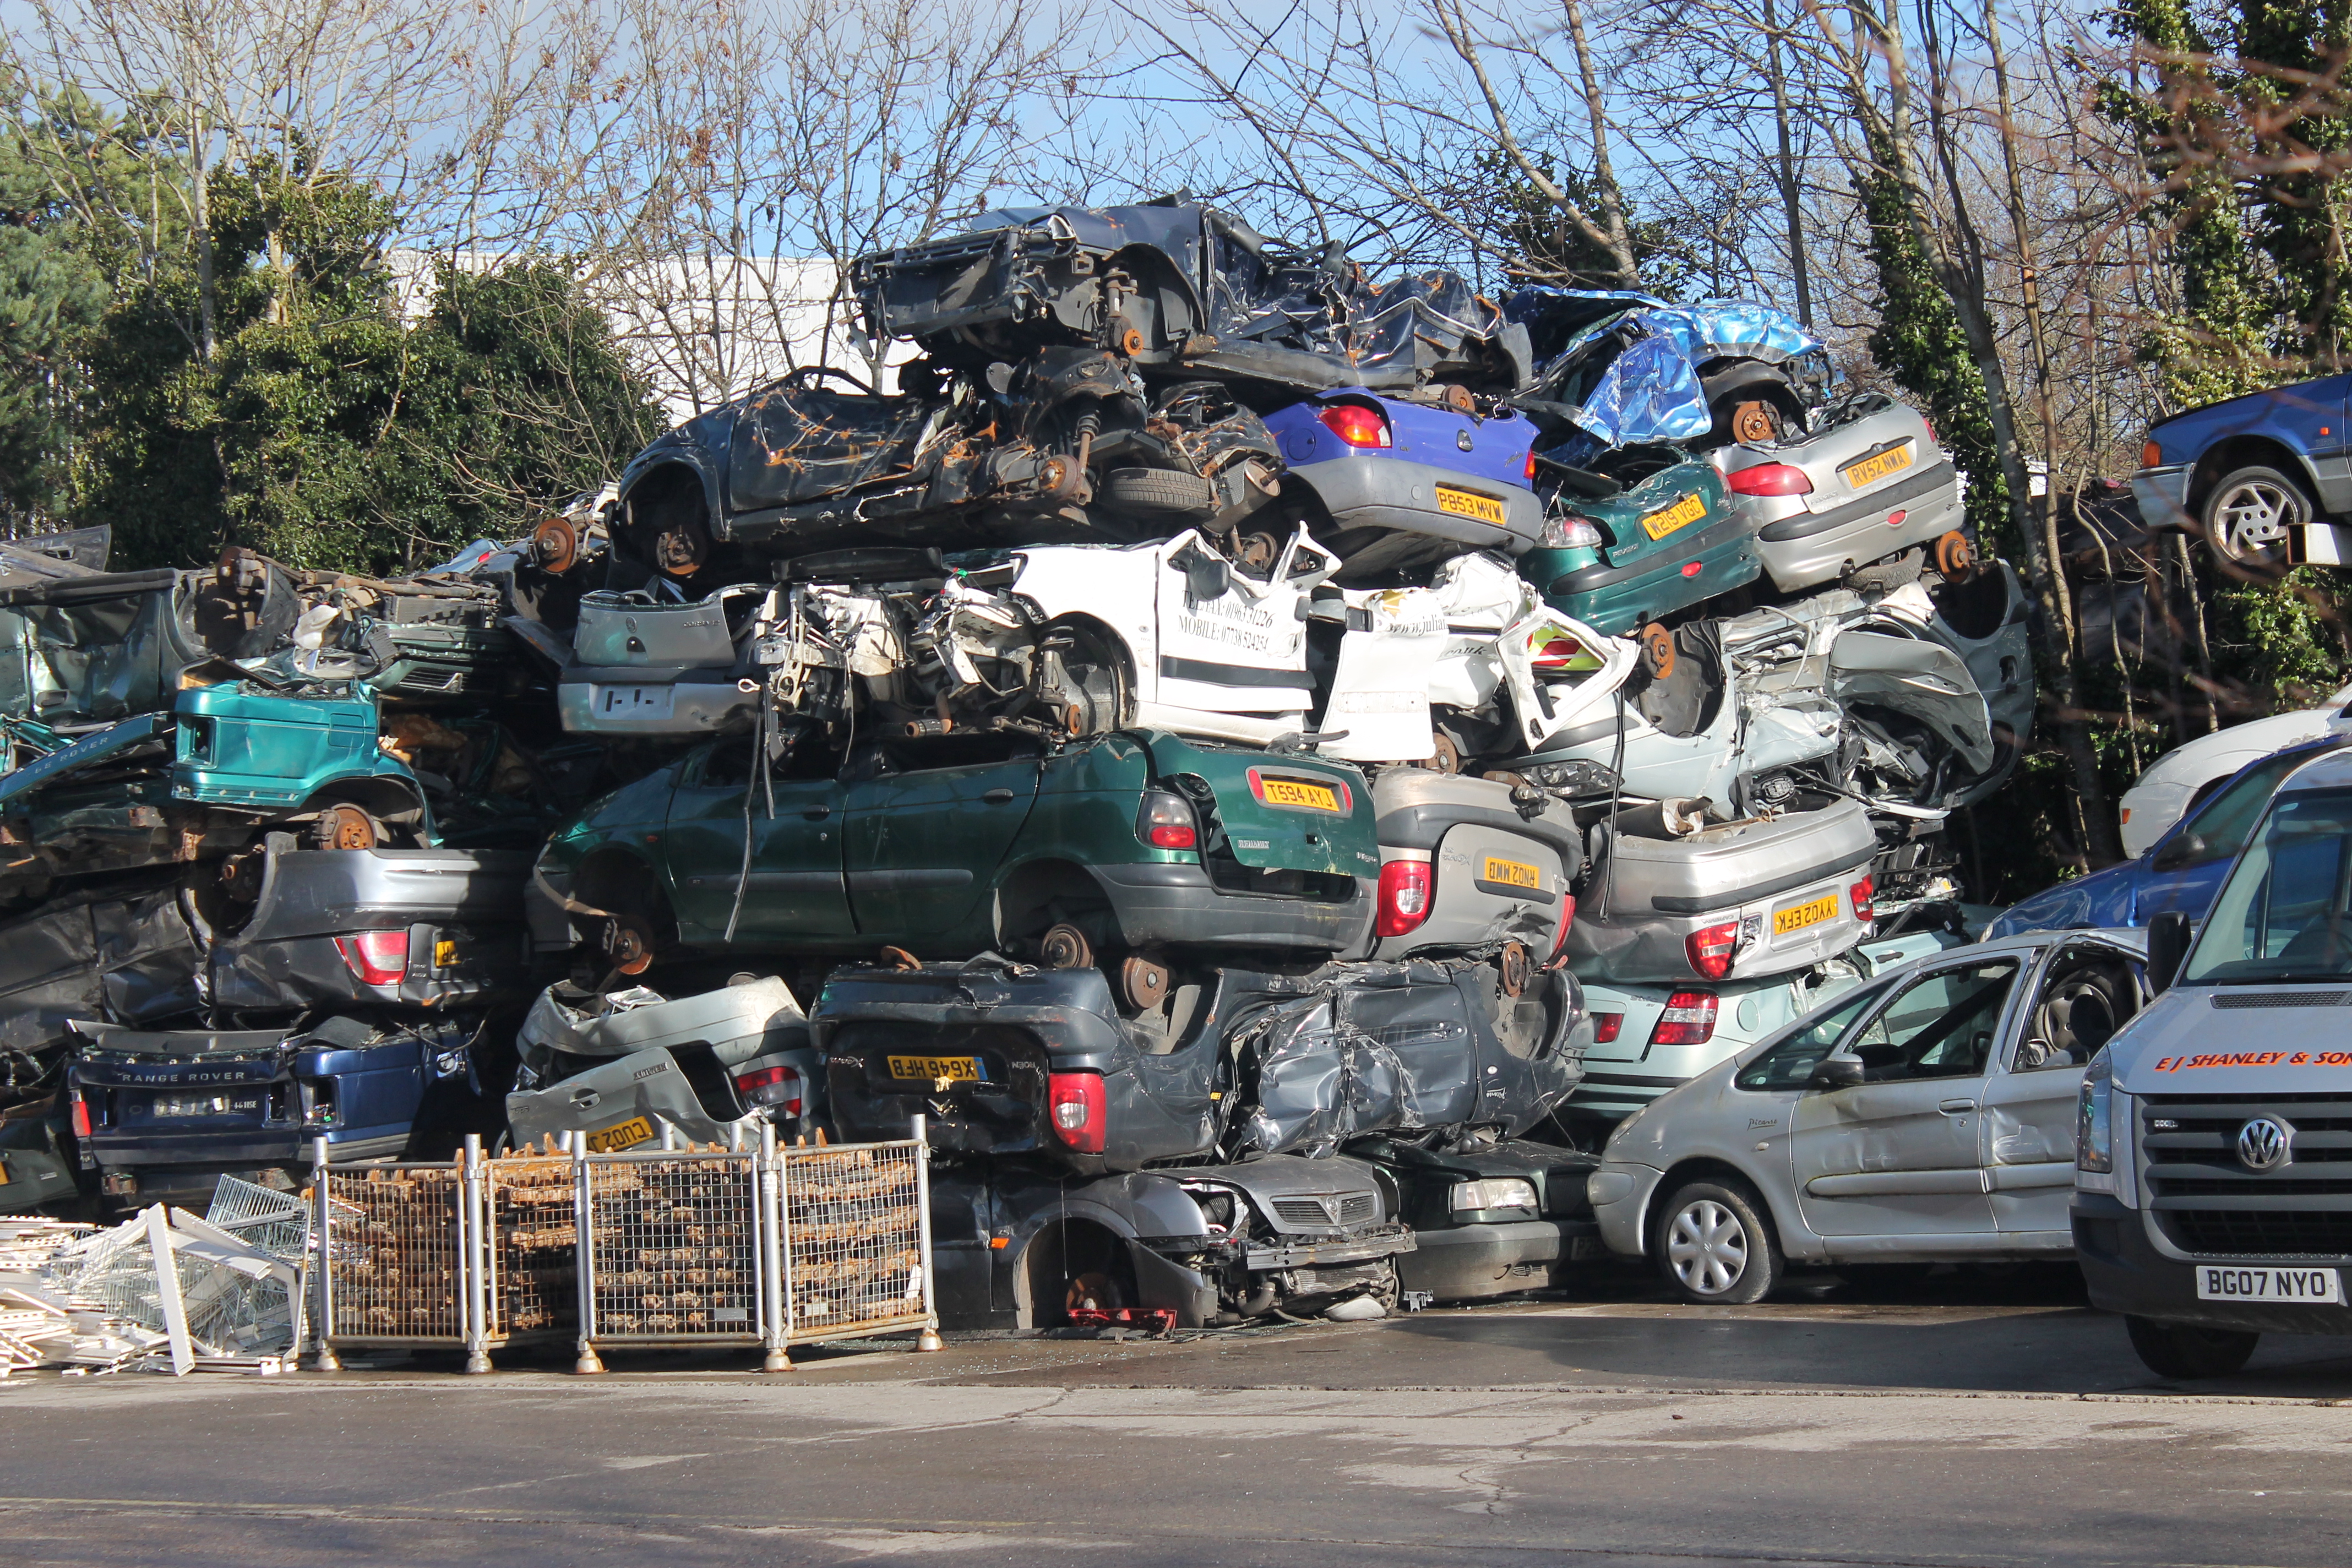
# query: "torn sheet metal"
[[126, 955]]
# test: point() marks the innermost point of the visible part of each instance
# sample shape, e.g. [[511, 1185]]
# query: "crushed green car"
[[1656, 535], [1120, 849]]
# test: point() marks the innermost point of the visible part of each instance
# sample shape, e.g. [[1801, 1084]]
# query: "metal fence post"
[[474, 1255], [773, 1328], [930, 1339], [321, 1333], [582, 1201]]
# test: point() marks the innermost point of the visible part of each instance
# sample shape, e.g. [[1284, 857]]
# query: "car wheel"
[[1714, 1247], [2184, 1350], [2248, 516], [1161, 491]]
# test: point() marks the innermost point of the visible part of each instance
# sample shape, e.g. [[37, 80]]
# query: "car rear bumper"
[[1177, 904], [1812, 548], [1391, 494], [1617, 599], [2128, 1273]]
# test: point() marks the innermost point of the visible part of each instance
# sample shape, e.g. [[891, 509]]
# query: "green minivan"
[[1124, 848]]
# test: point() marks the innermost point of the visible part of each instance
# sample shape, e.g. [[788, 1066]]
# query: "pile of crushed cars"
[[1226, 740]]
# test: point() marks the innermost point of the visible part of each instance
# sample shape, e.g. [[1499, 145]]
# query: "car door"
[[928, 824], [793, 893], [1897, 1154], [2312, 413], [2186, 867], [2082, 993]]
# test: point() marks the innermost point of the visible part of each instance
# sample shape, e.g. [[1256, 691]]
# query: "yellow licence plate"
[[628, 1135], [956, 1069], [444, 953], [1511, 873], [1813, 912], [1682, 514], [1298, 791], [1870, 470], [1469, 503]]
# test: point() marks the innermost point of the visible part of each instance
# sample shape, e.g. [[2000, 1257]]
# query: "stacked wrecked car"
[[1220, 738]]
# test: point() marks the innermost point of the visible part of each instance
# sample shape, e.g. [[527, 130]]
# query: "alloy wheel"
[[2251, 519], [1708, 1248]]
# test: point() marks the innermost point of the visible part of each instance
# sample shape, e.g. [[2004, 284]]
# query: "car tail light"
[[1860, 895], [1570, 531], [1080, 1114], [1355, 425], [1711, 948], [80, 1116], [777, 1087], [377, 957], [1688, 1020], [1771, 479], [1532, 468], [1566, 919], [1405, 888], [1605, 1026], [1165, 821], [2151, 455]]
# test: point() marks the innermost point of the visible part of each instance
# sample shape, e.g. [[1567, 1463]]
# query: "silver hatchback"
[[1869, 482], [1926, 1116]]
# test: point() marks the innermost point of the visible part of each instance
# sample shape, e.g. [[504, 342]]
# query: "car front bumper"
[[1620, 1193], [2163, 497], [1466, 1262], [2127, 1272]]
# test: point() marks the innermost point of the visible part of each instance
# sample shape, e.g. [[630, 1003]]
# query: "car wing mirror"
[[2167, 944], [1835, 1072], [2185, 850]]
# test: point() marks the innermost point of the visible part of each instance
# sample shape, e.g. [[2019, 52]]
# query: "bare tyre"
[[2184, 1350], [1714, 1247], [1162, 491], [2249, 516]]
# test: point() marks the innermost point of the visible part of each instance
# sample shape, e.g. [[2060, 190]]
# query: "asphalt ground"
[[1958, 1419]]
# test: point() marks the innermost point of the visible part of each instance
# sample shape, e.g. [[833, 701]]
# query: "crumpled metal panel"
[[124, 957], [1633, 370]]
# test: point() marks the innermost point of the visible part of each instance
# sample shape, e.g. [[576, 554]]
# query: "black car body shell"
[[1255, 1063], [125, 953], [1468, 1254]]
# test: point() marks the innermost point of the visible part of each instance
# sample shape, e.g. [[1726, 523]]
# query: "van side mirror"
[[2167, 944], [1835, 1072]]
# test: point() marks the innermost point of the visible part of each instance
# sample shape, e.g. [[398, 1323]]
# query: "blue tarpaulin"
[[1628, 363]]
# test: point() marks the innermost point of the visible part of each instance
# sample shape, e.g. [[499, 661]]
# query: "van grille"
[[1354, 1208], [2207, 1202]]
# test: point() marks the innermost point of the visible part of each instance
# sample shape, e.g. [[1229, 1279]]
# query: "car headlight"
[[2095, 1131], [1492, 1193]]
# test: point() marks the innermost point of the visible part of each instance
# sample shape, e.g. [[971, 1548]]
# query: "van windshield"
[[2282, 915]]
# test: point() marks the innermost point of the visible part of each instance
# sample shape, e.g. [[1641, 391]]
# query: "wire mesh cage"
[[854, 1240], [396, 1243], [534, 1247], [675, 1249], [262, 1217]]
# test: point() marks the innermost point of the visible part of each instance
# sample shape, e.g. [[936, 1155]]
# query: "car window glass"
[[1942, 1025], [1790, 1062], [2230, 815], [2283, 915]]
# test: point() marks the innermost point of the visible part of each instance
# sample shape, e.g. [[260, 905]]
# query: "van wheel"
[[1714, 1247], [2184, 1350]]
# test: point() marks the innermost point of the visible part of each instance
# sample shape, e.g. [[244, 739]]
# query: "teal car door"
[[928, 822], [793, 895]]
